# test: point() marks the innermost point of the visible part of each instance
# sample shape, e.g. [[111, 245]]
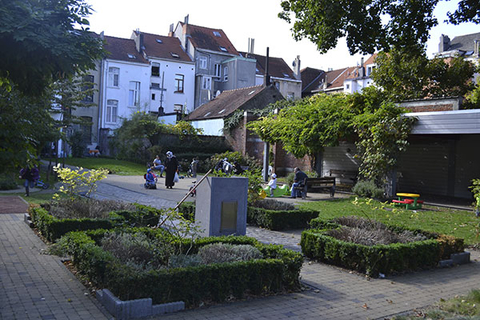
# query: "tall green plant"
[[77, 181], [475, 187]]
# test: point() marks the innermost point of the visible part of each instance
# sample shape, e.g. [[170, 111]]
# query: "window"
[[174, 55], [179, 82], [113, 76], [223, 49], [131, 56], [112, 109], [216, 34], [370, 70], [134, 94], [217, 70], [86, 130], [348, 87], [87, 87], [225, 74], [155, 86], [207, 83], [178, 108], [203, 63], [153, 96], [159, 40], [155, 69]]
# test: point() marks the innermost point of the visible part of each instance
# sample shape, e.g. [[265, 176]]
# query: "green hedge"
[[269, 219], [372, 260], [279, 271], [280, 219], [53, 228]]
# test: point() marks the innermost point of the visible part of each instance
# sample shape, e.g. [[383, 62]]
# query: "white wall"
[[128, 72], [213, 127], [169, 69]]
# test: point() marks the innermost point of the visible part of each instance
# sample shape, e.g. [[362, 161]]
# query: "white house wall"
[[447, 122], [127, 72], [213, 127], [169, 69]]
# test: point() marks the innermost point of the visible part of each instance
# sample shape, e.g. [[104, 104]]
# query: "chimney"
[[296, 68], [361, 70], [185, 20], [267, 76], [444, 44], [139, 41], [170, 31], [251, 43]]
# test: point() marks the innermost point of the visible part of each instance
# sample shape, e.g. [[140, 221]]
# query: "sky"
[[241, 20]]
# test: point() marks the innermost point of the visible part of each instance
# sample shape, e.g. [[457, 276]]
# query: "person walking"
[[171, 167], [30, 175]]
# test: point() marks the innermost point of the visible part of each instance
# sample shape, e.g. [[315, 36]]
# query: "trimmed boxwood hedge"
[[279, 271], [269, 219], [372, 260], [53, 228]]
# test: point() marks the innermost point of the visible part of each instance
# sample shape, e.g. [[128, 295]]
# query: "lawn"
[[458, 223], [120, 167]]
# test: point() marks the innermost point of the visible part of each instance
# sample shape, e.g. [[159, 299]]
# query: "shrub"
[[418, 250], [279, 270], [85, 208], [224, 252], [368, 189], [271, 204], [280, 219]]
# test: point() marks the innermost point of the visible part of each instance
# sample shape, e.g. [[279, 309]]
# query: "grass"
[[461, 307], [120, 167], [458, 223]]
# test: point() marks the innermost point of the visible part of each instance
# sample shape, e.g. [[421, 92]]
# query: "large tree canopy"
[[370, 25], [404, 75], [44, 40]]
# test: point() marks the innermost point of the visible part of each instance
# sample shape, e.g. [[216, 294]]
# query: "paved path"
[[38, 286]]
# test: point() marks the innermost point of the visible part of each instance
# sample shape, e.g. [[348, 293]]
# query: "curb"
[[132, 309]]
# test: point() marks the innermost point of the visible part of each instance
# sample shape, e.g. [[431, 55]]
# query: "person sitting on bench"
[[157, 165], [298, 181]]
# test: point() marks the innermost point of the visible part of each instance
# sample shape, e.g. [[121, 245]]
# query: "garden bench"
[[317, 184], [345, 174]]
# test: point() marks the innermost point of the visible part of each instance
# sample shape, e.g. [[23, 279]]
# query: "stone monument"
[[221, 206]]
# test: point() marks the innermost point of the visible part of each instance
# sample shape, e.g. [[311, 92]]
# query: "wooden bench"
[[317, 184], [345, 174]]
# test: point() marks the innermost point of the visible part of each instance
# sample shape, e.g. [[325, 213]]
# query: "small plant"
[[271, 204], [368, 189], [75, 181], [86, 208], [476, 195], [224, 252]]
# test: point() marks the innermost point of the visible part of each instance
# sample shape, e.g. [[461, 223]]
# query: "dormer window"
[[221, 111], [159, 40], [286, 75], [216, 34], [131, 56], [175, 55], [223, 49], [207, 114]]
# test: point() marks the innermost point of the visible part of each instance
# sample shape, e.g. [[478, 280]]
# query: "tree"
[[313, 123], [309, 124], [363, 24], [407, 75], [44, 40], [25, 127]]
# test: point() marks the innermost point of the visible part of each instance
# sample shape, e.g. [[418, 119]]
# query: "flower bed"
[[278, 271], [273, 219], [318, 243], [53, 228]]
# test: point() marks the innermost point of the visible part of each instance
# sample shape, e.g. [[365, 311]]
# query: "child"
[[150, 182], [272, 184]]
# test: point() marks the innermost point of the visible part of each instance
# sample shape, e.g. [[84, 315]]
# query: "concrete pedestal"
[[221, 206]]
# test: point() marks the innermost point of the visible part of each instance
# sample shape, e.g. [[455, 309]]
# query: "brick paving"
[[38, 286]]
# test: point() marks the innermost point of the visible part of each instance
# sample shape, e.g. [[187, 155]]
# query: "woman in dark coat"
[[171, 166]]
